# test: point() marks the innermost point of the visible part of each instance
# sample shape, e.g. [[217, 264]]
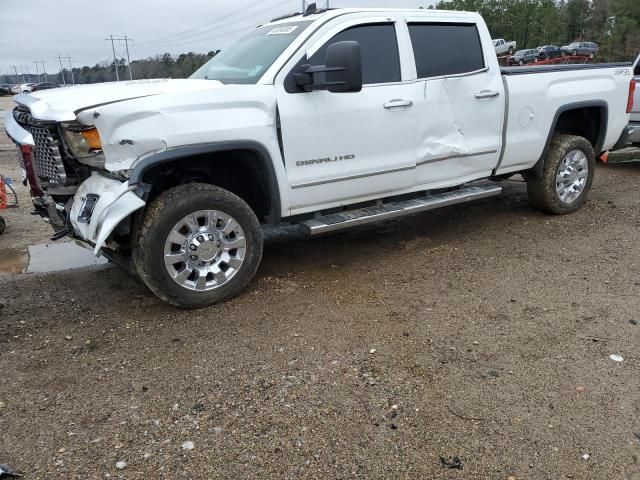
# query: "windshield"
[[246, 60]]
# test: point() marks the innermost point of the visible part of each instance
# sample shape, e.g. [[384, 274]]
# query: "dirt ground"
[[481, 332]]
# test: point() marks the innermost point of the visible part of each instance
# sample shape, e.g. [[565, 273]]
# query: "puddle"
[[13, 260], [52, 257]]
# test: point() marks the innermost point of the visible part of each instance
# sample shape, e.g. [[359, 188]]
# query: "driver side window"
[[379, 50]]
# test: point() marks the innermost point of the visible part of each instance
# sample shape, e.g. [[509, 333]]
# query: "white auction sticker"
[[284, 30]]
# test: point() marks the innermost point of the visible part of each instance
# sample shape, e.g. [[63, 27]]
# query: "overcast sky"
[[40, 29]]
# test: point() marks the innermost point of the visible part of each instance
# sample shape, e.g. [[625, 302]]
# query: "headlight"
[[83, 142]]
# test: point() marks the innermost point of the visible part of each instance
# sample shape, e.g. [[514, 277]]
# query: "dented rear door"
[[462, 101]]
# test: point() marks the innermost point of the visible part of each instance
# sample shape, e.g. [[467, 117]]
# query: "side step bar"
[[361, 216]]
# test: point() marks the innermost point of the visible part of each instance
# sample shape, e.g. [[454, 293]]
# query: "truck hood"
[[63, 104]]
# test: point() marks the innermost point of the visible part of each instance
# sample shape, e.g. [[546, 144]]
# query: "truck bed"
[[534, 102], [533, 68]]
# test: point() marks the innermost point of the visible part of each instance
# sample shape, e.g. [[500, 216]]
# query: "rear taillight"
[[632, 91]]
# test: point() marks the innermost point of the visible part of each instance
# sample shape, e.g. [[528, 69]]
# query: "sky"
[[39, 30]]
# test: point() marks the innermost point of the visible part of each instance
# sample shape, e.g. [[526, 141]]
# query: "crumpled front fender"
[[116, 202]]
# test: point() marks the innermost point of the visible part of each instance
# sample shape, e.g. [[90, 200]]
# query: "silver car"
[[588, 49]]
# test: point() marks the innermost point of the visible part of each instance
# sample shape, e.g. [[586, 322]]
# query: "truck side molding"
[[602, 106]]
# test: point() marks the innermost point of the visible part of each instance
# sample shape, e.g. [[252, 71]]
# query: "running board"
[[361, 216]]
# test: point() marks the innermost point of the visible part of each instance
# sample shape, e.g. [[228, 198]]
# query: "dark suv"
[[549, 51]]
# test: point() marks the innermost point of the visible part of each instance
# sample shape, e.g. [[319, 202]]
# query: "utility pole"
[[44, 70], [15, 69], [61, 69], [126, 42], [115, 60], [37, 71], [116, 38], [69, 58]]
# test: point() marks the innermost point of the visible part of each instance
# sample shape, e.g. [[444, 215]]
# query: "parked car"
[[5, 89], [588, 49], [547, 52], [44, 86], [22, 88], [176, 177], [524, 56], [501, 46]]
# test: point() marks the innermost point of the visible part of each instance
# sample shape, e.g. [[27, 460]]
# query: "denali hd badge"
[[314, 161]]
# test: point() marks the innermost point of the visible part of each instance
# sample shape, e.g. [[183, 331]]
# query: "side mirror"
[[342, 70]]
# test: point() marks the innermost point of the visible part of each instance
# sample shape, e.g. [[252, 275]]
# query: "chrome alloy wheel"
[[204, 250], [571, 177]]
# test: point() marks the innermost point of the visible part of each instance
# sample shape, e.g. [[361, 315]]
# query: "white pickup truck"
[[328, 119], [501, 46]]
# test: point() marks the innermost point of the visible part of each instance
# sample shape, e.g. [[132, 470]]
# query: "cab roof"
[[335, 12]]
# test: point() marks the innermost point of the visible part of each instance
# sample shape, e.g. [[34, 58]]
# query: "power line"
[[64, 82], [193, 37], [115, 60], [208, 24], [218, 34], [115, 38], [73, 80], [44, 70], [68, 58]]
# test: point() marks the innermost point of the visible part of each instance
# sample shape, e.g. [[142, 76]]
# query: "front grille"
[[47, 160]]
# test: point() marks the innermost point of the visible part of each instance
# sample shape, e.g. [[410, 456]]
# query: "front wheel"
[[198, 245], [566, 179]]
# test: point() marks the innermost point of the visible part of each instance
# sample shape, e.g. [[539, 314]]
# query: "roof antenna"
[[310, 10]]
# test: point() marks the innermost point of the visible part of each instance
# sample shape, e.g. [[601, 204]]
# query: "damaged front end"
[[70, 188]]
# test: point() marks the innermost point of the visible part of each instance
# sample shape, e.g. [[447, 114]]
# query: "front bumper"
[[98, 205]]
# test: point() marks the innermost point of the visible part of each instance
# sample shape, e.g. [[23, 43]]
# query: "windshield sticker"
[[286, 30]]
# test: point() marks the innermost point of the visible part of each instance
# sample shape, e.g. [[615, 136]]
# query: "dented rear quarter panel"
[[535, 98]]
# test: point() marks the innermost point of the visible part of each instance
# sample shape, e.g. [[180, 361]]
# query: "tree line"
[[160, 66], [613, 24]]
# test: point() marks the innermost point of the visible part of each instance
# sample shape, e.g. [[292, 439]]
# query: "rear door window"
[[442, 49]]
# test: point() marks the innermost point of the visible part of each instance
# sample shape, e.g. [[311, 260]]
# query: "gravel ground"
[[481, 332]]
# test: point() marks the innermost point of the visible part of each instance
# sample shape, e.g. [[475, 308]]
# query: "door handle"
[[487, 94], [397, 103]]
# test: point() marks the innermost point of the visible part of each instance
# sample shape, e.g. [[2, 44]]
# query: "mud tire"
[[542, 191], [161, 216]]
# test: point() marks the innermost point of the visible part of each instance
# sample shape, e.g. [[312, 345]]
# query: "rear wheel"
[[3, 225], [567, 176], [198, 245]]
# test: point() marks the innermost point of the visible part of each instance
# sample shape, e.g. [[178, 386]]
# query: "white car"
[[328, 120], [22, 88], [501, 46]]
